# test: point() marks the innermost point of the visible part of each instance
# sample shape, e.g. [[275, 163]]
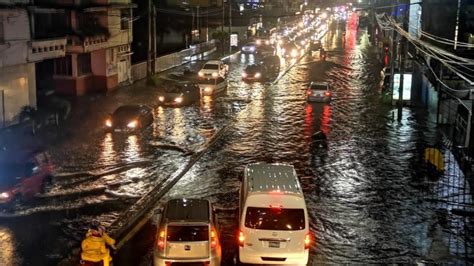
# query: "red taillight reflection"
[[307, 240], [161, 240], [241, 238]]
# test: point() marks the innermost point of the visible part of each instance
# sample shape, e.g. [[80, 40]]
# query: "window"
[[63, 66], [84, 64], [274, 219], [124, 19], [187, 233], [50, 25]]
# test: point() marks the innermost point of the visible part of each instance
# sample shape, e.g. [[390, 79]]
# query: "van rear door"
[[187, 241], [275, 229]]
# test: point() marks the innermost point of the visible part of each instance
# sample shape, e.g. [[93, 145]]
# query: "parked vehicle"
[[212, 86], [214, 69], [318, 92], [23, 174], [179, 94], [188, 233], [129, 118], [273, 219], [254, 72], [290, 50], [271, 63], [261, 41], [249, 48], [315, 46]]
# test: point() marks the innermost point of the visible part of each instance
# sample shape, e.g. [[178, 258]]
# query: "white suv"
[[274, 226], [187, 234], [214, 69]]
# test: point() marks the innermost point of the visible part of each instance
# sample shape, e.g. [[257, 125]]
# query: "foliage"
[[220, 35]]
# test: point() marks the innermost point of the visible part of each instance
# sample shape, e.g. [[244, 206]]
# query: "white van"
[[274, 226]]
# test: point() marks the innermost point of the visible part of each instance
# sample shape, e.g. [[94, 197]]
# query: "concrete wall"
[[16, 29], [19, 89]]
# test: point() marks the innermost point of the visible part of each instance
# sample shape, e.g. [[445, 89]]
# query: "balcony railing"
[[47, 49]]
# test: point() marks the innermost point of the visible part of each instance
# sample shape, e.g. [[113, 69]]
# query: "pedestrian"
[[95, 245]]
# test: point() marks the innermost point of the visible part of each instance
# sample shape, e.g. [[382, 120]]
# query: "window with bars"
[[63, 66], [84, 64]]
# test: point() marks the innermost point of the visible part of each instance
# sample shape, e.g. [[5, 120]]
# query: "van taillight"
[[161, 240], [241, 238], [307, 240], [213, 239]]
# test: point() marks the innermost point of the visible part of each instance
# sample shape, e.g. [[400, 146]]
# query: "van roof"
[[189, 210], [213, 62], [272, 177]]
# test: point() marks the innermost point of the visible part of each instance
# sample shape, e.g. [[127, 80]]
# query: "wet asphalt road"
[[365, 194]]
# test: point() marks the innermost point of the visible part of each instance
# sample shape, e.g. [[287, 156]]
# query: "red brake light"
[[241, 238], [161, 240], [276, 206], [309, 92], [307, 240], [327, 93], [213, 239]]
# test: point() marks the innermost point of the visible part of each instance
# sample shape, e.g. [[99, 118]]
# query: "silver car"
[[187, 234], [318, 92]]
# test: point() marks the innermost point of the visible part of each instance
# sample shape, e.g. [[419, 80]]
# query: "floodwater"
[[367, 198]]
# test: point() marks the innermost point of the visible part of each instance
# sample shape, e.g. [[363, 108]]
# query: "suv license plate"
[[274, 244]]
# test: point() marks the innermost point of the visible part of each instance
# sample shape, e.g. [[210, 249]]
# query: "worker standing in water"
[[95, 246]]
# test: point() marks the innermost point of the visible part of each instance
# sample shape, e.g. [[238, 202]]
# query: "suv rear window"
[[274, 219], [187, 233], [319, 87]]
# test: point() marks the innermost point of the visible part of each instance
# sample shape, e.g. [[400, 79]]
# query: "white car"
[[273, 219], [214, 69], [318, 92]]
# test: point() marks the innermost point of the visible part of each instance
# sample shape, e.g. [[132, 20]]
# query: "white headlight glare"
[[244, 75], [200, 74], [132, 124], [4, 195], [178, 100], [161, 98], [215, 74], [257, 75], [108, 123]]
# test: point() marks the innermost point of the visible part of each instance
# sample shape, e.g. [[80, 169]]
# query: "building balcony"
[[93, 43], [46, 49]]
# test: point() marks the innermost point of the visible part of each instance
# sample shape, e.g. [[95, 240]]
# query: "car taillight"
[[307, 241], [161, 240], [213, 239], [327, 93], [241, 238], [309, 92]]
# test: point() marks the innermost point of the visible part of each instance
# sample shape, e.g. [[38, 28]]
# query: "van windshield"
[[274, 219], [210, 66], [187, 233]]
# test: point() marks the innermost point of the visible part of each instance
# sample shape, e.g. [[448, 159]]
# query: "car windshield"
[[252, 68], [318, 87], [211, 66], [126, 111], [187, 233], [274, 219], [173, 89]]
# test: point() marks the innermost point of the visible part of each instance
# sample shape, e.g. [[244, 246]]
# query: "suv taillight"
[[327, 93], [241, 238], [307, 240], [213, 239], [161, 240], [309, 92]]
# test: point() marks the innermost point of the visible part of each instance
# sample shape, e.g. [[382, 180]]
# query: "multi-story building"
[[98, 43], [18, 54]]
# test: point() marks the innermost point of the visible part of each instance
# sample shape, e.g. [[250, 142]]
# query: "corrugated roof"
[[272, 177]]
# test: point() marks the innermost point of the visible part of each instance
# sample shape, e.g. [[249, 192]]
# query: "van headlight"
[[132, 124], [207, 89], [257, 75]]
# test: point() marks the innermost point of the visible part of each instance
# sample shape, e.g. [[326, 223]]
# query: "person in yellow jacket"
[[94, 245]]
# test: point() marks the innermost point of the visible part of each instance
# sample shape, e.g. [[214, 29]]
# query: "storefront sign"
[[406, 86], [234, 40]]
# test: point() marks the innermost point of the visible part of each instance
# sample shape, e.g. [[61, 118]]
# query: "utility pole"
[[393, 52], [198, 24], [230, 25], [151, 38], [403, 54]]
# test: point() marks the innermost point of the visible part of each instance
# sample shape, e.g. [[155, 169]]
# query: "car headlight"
[[4, 195], [161, 98], [132, 124], [258, 75], [244, 75], [267, 42], [178, 100], [201, 74], [108, 123], [215, 75], [259, 42], [283, 51], [294, 53], [252, 48], [208, 89], [303, 42]]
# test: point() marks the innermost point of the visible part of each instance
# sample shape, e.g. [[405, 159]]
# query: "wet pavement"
[[367, 197]]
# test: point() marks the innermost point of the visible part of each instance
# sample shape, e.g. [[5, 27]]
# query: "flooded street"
[[366, 194]]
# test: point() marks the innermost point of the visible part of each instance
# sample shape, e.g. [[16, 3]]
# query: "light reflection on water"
[[7, 247]]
